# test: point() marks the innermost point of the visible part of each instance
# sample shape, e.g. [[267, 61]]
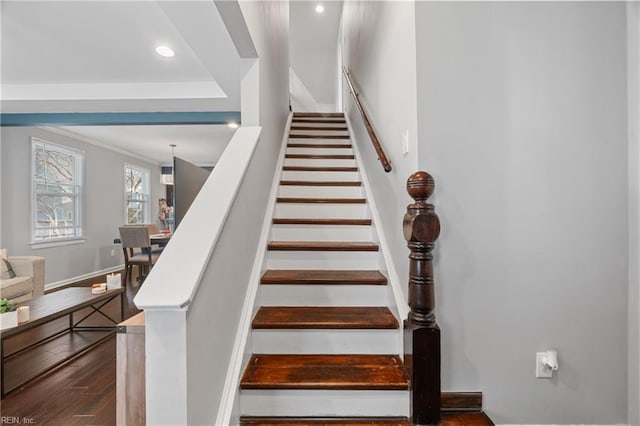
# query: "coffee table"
[[53, 306]]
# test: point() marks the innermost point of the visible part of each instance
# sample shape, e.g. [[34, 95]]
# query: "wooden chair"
[[136, 246]]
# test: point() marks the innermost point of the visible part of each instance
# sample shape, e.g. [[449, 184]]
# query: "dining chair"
[[153, 229], [136, 246]]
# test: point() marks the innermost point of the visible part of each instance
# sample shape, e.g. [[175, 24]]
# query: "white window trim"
[[57, 242], [147, 185], [80, 170]]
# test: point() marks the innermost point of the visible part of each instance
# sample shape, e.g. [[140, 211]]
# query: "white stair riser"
[[323, 295], [326, 131], [323, 176], [325, 341], [302, 402], [321, 233], [318, 140], [321, 191], [319, 162], [322, 211], [321, 260], [320, 151]]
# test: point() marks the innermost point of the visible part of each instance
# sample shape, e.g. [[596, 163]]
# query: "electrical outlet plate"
[[542, 371]]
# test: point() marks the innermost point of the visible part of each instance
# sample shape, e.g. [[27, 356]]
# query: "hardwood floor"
[[81, 392]]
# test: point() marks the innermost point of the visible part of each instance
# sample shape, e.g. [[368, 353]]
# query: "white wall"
[[104, 204], [633, 67], [300, 97], [312, 45], [522, 112], [379, 50], [268, 23], [214, 316]]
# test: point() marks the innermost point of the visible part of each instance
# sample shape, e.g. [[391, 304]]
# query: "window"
[[136, 188], [57, 192]]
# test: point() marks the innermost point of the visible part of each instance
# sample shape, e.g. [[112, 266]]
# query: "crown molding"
[[100, 144]]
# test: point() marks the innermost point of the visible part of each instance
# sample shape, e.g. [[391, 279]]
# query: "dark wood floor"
[[82, 392]]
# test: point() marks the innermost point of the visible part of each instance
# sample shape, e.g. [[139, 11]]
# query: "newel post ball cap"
[[420, 185]]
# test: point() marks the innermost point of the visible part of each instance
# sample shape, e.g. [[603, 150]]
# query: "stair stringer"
[[229, 408], [401, 307]]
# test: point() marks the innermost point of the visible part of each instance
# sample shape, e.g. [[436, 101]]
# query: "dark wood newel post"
[[421, 228]]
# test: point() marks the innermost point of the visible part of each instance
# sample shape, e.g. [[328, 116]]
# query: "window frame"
[[146, 184], [78, 183]]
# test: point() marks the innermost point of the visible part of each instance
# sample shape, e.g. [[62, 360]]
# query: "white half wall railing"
[[194, 294]]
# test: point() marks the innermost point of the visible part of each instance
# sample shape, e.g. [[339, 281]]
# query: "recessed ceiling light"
[[319, 8], [233, 125], [165, 51]]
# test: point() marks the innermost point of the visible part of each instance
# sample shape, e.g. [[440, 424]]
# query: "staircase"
[[326, 346], [325, 343]]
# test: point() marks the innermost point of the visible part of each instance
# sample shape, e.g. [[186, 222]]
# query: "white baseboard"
[[54, 285]]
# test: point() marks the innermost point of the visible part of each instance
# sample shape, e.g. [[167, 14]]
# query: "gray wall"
[[522, 112], [633, 70], [187, 182], [103, 204], [379, 49]]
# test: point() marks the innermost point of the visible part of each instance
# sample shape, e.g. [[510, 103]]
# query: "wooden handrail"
[[372, 133], [421, 228]]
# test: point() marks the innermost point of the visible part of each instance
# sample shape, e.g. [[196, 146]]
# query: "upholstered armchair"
[[28, 281]]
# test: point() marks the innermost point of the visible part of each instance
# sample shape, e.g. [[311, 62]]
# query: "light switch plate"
[[542, 371], [405, 142]]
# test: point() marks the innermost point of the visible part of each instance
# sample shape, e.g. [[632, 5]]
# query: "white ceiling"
[[72, 52], [98, 56]]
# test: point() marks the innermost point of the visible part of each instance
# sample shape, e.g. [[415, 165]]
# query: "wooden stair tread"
[[319, 183], [346, 372], [321, 246], [321, 200], [319, 145], [322, 156], [319, 169], [307, 221], [308, 136], [448, 419], [318, 114], [326, 421], [319, 276], [328, 128], [324, 317]]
